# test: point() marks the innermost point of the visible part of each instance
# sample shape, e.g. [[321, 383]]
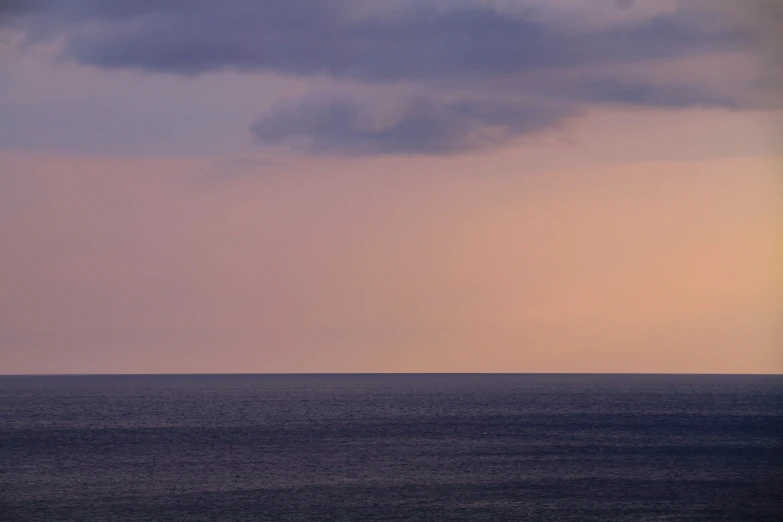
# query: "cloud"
[[340, 125], [343, 125], [308, 37], [648, 95], [451, 52]]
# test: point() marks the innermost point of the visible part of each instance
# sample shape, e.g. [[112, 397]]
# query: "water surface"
[[391, 447]]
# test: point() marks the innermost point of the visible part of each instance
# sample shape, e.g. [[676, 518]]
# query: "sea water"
[[391, 447]]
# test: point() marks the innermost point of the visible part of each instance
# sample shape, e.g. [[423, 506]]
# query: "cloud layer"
[[323, 125], [448, 58]]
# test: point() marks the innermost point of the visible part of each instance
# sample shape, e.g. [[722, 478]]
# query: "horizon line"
[[368, 374]]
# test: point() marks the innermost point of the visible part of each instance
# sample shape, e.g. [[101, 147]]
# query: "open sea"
[[391, 447]]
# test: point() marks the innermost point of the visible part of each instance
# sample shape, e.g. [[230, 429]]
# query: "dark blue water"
[[394, 447]]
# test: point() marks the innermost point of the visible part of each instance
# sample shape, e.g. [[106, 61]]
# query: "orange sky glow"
[[631, 239]]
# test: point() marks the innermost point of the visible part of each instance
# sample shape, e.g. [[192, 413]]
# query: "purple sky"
[[327, 186]]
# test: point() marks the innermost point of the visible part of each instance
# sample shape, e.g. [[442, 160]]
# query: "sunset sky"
[[198, 186]]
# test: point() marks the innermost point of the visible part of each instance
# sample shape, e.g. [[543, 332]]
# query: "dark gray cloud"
[[442, 49], [306, 37], [648, 95], [341, 125]]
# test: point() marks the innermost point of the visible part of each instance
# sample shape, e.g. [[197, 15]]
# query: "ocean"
[[391, 447]]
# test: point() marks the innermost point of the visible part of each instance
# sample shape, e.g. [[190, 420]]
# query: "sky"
[[190, 186]]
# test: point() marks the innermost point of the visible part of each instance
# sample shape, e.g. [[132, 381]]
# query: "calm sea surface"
[[391, 447]]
